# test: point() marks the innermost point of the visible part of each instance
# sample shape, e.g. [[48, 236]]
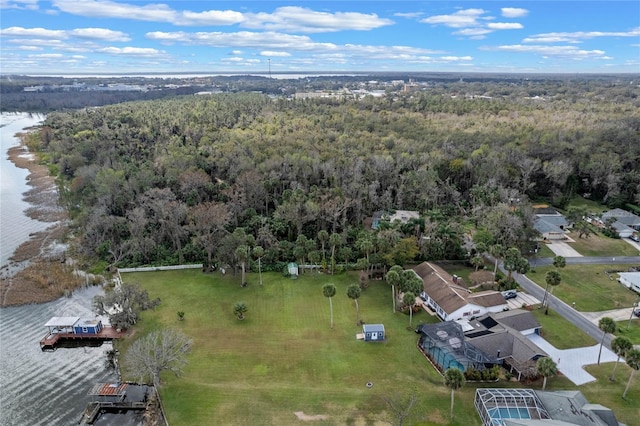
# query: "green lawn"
[[599, 245], [560, 332], [284, 358], [589, 287], [631, 330]]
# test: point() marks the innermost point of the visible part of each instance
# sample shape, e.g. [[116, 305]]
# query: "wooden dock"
[[94, 409], [50, 340]]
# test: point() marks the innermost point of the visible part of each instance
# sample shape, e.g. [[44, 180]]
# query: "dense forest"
[[222, 179]]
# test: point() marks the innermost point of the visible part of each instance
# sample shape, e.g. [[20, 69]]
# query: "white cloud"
[[85, 33], [472, 23], [504, 25], [34, 48], [19, 4], [301, 19], [409, 15], [274, 53], [132, 51], [514, 12], [46, 56], [99, 34], [288, 18], [577, 37], [571, 52], [33, 32], [460, 19]]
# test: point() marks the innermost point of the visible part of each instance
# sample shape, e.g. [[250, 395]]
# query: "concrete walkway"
[[570, 362], [622, 314]]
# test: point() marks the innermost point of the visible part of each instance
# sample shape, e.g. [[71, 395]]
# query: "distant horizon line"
[[308, 73]]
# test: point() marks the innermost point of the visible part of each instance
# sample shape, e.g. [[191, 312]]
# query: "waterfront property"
[[75, 328], [122, 400], [522, 407]]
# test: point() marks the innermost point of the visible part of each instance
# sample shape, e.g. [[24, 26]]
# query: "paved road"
[[545, 261], [557, 305]]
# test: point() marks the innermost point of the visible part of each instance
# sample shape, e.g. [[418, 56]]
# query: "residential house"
[[492, 339], [625, 224], [504, 335], [630, 280], [551, 224], [402, 216], [450, 300], [528, 407]]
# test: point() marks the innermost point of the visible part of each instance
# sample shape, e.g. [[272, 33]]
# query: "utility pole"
[[269, 68]]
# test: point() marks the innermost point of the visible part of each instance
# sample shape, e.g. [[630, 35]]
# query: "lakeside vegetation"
[[284, 357]]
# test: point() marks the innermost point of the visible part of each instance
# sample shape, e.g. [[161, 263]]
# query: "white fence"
[[160, 268]]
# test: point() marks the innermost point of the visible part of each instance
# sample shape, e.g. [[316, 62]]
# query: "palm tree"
[[240, 309], [409, 299], [323, 237], [258, 252], [476, 262], [620, 345], [242, 253], [552, 278], [334, 241], [329, 290], [559, 262], [353, 292], [393, 278], [607, 325], [633, 361], [497, 251], [453, 379], [546, 367]]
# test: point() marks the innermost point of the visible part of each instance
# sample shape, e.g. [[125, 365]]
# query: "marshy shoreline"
[[37, 271]]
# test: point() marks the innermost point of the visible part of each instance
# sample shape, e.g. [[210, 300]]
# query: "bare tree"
[[156, 352], [123, 304]]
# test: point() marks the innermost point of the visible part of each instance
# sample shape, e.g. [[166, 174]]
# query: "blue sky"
[[139, 36]]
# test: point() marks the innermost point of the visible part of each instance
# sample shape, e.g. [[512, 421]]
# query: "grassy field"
[[284, 357], [599, 245], [560, 332], [589, 287]]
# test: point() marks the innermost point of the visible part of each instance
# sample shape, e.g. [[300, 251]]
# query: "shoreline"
[[37, 271]]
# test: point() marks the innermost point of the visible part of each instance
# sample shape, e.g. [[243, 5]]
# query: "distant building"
[[402, 216]]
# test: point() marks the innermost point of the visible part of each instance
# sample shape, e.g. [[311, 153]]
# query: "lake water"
[[36, 387], [15, 226]]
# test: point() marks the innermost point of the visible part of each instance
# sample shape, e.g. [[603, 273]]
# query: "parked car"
[[636, 312], [510, 294], [635, 238]]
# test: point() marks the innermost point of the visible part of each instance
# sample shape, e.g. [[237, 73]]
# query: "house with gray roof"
[[626, 223], [528, 407], [503, 335], [551, 224]]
